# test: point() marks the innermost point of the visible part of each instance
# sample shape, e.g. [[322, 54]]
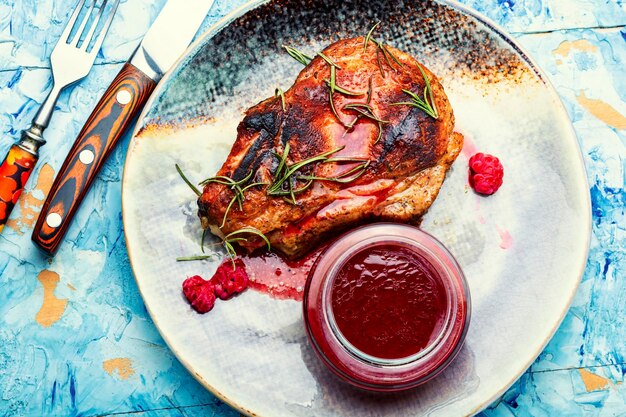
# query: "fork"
[[71, 60]]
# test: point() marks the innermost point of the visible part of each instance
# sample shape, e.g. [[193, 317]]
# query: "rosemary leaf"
[[238, 239], [247, 230], [369, 35], [301, 57], [332, 85], [423, 104], [428, 92], [380, 64], [218, 180], [193, 187], [230, 205], [240, 192], [281, 93], [344, 177], [283, 161], [345, 159], [194, 258], [343, 90], [204, 231], [365, 110], [328, 60], [388, 54], [230, 251]]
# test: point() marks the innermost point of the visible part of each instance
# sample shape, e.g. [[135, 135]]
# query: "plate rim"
[[495, 28]]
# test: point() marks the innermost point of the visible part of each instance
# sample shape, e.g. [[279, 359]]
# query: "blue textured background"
[[75, 338]]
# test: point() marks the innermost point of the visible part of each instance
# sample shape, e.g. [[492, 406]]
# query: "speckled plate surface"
[[523, 250]]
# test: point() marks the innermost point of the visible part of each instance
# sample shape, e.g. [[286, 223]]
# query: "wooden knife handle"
[[14, 172], [121, 102]]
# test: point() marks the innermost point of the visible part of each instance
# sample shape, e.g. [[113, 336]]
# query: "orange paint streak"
[[29, 204], [566, 47], [603, 111], [52, 308], [592, 381], [122, 367]]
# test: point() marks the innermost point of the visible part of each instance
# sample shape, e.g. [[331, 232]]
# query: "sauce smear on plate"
[[278, 277]]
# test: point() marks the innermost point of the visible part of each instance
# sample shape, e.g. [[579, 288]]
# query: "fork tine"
[[83, 24], [105, 29], [65, 36], [94, 25]]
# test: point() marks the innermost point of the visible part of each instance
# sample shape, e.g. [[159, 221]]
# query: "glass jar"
[[386, 307]]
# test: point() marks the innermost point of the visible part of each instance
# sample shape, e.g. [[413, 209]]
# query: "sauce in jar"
[[386, 307], [396, 280]]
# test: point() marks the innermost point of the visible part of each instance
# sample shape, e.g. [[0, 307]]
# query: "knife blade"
[[166, 39]]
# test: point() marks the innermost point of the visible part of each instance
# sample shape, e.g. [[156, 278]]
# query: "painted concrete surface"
[[75, 337]]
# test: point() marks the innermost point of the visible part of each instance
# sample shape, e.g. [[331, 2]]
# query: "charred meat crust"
[[408, 157]]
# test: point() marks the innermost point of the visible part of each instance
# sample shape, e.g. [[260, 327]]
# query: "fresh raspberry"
[[230, 280], [200, 293], [485, 173]]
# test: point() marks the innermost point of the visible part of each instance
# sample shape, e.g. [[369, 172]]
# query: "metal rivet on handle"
[[123, 97], [86, 157], [53, 220]]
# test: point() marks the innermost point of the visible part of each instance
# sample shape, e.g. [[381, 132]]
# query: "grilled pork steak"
[[372, 158]]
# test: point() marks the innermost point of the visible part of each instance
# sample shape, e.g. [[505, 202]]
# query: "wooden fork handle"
[[121, 102]]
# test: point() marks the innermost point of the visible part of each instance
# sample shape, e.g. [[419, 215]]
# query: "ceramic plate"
[[523, 250]]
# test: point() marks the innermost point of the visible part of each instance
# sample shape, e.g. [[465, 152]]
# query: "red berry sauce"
[[272, 274], [388, 301]]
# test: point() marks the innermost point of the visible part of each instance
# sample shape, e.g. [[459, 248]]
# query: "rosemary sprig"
[[332, 84], [234, 185], [369, 90], [281, 93], [285, 173], [427, 105], [220, 179], [343, 178], [193, 187], [367, 111], [388, 54], [238, 189], [286, 177], [227, 242], [301, 57], [369, 35]]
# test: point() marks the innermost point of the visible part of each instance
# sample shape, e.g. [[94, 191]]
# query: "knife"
[[165, 41]]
